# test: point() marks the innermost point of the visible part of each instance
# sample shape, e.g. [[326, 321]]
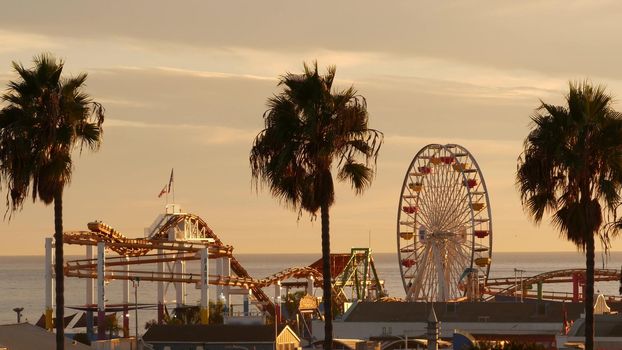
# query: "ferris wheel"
[[444, 226]]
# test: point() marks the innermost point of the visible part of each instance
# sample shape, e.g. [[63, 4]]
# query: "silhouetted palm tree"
[[45, 118], [571, 166], [308, 126]]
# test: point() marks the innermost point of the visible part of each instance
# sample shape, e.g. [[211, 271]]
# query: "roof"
[[463, 312], [340, 342], [338, 263], [218, 333], [24, 336], [600, 307], [79, 322], [604, 326]]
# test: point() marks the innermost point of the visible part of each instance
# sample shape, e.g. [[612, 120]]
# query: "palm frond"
[[357, 174]]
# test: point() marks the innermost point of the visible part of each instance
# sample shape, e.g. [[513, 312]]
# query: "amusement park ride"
[[173, 240], [444, 246], [444, 225], [444, 235]]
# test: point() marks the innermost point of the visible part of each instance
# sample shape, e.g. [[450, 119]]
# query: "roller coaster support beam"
[[219, 288], [277, 302], [226, 269], [101, 302], [160, 268], [180, 288], [204, 311], [48, 284], [89, 297], [223, 268], [578, 279], [126, 300], [310, 281], [245, 303]]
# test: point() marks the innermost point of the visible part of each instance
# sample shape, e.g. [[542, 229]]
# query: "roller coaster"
[[511, 286], [176, 238]]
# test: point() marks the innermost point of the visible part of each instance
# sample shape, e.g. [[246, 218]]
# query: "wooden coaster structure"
[[174, 239], [532, 286]]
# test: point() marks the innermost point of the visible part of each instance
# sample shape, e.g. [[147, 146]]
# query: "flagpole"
[[167, 190], [171, 183]]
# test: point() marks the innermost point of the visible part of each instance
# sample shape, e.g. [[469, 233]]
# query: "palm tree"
[[45, 118], [571, 167], [308, 126]]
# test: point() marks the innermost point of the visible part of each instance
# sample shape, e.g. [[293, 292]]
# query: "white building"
[[530, 322]]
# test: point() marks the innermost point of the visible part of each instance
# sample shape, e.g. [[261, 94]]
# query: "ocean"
[[22, 278]]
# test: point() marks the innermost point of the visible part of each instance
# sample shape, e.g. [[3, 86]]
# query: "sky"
[[185, 85]]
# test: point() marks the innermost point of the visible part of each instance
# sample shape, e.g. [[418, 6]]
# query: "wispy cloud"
[[204, 134], [208, 74], [481, 146], [17, 41], [455, 78], [121, 102], [224, 135]]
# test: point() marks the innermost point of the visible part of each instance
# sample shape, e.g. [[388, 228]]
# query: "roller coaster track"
[[237, 268], [86, 269], [139, 250], [509, 285]]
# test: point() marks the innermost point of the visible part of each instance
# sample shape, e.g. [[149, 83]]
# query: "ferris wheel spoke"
[[449, 192], [434, 211], [461, 217], [455, 204], [459, 200], [419, 272], [428, 282], [445, 186], [462, 256], [427, 204], [447, 217], [432, 195], [458, 263], [423, 211]]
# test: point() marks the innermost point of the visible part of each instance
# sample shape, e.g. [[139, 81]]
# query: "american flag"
[[167, 188]]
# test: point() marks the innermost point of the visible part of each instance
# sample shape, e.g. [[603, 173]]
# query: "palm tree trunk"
[[327, 281], [589, 292], [58, 271]]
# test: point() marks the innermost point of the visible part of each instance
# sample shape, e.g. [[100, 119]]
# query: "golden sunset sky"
[[185, 85]]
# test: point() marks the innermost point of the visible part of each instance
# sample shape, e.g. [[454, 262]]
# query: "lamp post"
[[521, 283], [135, 284], [225, 307], [277, 309], [19, 310]]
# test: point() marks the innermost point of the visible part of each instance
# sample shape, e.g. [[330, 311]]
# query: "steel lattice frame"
[[444, 225]]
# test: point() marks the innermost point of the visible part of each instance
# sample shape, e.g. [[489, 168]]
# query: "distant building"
[[607, 329], [607, 333], [220, 337], [529, 322], [24, 336]]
